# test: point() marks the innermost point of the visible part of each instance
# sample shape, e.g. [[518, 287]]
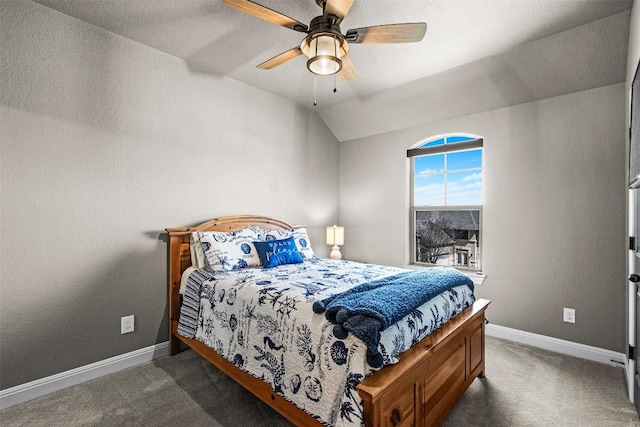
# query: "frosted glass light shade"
[[324, 55]]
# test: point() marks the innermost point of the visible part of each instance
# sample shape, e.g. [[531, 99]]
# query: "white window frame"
[[475, 143]]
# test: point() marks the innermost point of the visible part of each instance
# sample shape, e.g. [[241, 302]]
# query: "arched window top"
[[444, 144], [447, 139]]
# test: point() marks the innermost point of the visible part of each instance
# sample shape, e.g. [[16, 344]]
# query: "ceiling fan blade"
[[348, 71], [338, 8], [392, 33], [267, 14], [281, 58]]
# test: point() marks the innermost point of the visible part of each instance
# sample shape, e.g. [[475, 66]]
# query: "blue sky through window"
[[446, 140], [464, 188], [448, 179], [429, 190], [464, 160], [429, 164]]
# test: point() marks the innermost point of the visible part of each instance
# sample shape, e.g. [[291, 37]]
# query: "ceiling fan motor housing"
[[324, 25], [324, 46]]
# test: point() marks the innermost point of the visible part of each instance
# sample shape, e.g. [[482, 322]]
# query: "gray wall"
[[554, 190], [634, 44], [104, 143]]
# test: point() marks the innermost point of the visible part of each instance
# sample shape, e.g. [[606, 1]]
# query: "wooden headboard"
[[180, 255]]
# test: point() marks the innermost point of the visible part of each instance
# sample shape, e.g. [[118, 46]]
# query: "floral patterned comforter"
[[261, 320]]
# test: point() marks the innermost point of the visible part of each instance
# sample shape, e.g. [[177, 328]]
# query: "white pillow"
[[230, 250], [197, 256], [299, 235]]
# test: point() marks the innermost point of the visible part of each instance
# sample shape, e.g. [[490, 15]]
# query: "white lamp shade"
[[335, 235]]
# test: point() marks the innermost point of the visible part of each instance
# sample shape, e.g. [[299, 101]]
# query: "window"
[[446, 201]]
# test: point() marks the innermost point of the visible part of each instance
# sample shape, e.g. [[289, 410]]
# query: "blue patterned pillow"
[[299, 235], [273, 253], [231, 250]]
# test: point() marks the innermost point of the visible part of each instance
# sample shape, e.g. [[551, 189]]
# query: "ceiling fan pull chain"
[[335, 89], [315, 90]]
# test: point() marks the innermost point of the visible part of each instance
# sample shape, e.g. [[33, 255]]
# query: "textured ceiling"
[[581, 58], [217, 40]]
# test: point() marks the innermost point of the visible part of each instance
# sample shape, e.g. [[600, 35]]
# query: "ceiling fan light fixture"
[[324, 54], [325, 44]]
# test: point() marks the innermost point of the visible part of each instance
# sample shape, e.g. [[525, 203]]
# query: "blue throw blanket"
[[369, 308]]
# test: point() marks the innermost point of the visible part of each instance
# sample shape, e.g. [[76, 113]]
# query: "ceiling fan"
[[325, 45]]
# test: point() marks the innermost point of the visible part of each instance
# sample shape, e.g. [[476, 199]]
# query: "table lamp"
[[335, 237]]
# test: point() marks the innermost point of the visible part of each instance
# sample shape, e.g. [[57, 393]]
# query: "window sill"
[[476, 277]]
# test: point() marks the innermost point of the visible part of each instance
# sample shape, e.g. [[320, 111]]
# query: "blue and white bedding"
[[262, 321]]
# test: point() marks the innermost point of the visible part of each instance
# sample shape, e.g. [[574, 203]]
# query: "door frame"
[[633, 264]]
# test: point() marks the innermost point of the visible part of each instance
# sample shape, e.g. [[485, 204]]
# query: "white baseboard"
[[38, 388], [559, 346]]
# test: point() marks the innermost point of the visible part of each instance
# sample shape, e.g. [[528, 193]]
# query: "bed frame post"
[[178, 239]]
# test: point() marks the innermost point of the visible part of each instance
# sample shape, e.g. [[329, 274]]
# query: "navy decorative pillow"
[[300, 236], [273, 253]]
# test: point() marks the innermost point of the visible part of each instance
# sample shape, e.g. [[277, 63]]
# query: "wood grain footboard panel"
[[420, 390], [431, 376]]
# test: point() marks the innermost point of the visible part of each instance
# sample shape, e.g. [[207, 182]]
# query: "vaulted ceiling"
[[217, 40]]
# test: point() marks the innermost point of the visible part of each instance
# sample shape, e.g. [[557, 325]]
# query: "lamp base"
[[335, 253]]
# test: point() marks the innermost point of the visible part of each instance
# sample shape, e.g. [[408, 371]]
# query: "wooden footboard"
[[431, 376], [420, 390]]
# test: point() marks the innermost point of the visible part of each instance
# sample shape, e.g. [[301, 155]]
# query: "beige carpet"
[[524, 386]]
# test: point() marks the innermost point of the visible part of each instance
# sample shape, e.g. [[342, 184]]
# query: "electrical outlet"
[[569, 315], [126, 324]]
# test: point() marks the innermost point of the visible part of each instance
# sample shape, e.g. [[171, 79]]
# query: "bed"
[[420, 387]]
